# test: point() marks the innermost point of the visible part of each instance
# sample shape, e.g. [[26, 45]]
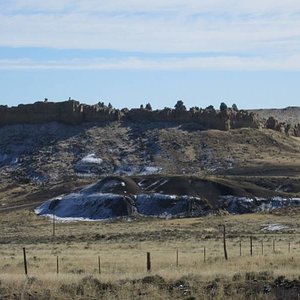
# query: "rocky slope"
[[50, 152], [40, 161]]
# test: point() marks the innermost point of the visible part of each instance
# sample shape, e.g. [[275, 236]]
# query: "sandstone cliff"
[[69, 112], [73, 112]]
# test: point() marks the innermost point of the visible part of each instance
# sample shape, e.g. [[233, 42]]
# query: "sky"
[[132, 52]]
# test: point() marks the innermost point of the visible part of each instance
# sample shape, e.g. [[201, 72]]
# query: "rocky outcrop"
[[297, 130], [283, 127], [206, 118], [40, 112], [73, 112], [69, 112]]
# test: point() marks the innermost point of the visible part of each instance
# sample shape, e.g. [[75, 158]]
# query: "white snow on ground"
[[126, 170], [89, 164], [147, 170], [274, 227], [92, 159], [130, 170], [156, 184], [238, 205]]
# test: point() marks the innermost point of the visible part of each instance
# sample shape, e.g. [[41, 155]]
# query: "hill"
[[39, 161]]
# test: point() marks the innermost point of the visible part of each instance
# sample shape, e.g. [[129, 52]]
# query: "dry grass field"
[[122, 246]]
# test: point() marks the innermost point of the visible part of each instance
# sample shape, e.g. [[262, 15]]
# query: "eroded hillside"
[[41, 161]]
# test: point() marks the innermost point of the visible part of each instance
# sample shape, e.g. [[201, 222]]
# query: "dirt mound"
[[116, 185], [163, 196], [208, 188]]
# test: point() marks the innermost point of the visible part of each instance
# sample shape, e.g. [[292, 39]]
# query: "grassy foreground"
[[199, 272]]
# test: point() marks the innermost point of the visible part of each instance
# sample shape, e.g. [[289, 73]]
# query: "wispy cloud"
[[253, 34], [214, 6], [132, 63], [148, 34]]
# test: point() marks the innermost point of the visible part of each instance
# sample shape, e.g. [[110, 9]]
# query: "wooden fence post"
[[99, 265], [274, 245], [148, 262], [204, 254], [177, 263], [289, 247], [251, 246], [262, 247], [53, 224], [224, 242], [25, 261], [240, 247], [57, 266]]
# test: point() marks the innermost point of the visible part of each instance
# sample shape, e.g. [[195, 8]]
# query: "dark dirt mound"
[[210, 188], [116, 185]]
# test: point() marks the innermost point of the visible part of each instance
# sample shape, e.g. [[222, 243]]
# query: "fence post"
[[289, 246], [204, 254], [251, 246], [57, 267], [148, 262], [240, 247], [177, 263], [53, 224], [224, 242], [273, 245], [262, 247], [25, 261], [99, 265]]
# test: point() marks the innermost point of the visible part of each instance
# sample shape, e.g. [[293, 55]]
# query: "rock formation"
[[69, 112], [73, 112]]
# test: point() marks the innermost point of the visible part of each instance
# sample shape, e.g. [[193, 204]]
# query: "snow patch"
[[130, 170], [274, 227], [239, 205], [156, 184], [147, 170], [126, 170], [92, 159], [89, 164]]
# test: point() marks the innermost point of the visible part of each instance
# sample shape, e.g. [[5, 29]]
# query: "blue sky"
[[137, 51]]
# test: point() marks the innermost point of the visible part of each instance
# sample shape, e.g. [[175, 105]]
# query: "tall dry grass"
[[122, 246]]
